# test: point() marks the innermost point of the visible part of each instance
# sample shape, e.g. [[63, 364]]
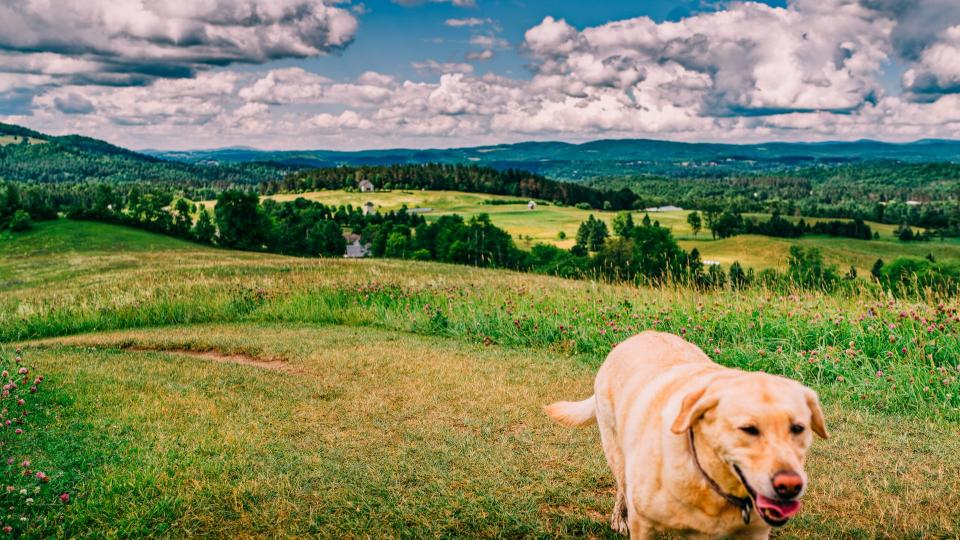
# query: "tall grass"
[[884, 353]]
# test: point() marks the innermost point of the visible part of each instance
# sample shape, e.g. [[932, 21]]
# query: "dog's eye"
[[750, 430], [797, 429]]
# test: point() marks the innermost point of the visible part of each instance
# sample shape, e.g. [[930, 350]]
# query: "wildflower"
[[23, 491], [879, 373], [41, 476], [23, 371], [893, 339], [21, 402], [29, 500], [840, 378], [25, 464], [7, 529], [18, 431], [64, 498]]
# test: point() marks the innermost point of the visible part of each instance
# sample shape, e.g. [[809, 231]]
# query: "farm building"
[[420, 210], [366, 186], [663, 209], [532, 205], [368, 208], [355, 249]]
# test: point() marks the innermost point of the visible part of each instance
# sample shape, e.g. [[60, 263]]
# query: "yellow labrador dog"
[[696, 447]]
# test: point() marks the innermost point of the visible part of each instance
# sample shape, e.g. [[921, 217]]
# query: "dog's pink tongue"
[[778, 509]]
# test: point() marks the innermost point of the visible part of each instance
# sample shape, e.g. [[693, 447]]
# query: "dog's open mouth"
[[775, 512]]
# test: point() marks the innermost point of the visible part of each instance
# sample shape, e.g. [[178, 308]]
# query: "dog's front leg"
[[640, 528]]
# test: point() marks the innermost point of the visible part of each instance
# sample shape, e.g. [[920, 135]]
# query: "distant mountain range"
[[621, 157], [30, 155]]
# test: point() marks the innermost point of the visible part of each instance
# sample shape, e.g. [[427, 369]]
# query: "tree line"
[[470, 178], [729, 223]]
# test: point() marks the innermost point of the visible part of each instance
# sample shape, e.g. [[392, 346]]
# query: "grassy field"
[[544, 224], [193, 391], [14, 139]]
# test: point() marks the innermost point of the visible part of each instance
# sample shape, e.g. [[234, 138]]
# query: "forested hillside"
[[30, 156]]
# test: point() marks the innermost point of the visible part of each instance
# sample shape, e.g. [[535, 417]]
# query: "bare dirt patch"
[[217, 356]]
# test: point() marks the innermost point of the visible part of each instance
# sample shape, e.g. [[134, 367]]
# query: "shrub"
[[807, 268], [20, 221], [908, 274]]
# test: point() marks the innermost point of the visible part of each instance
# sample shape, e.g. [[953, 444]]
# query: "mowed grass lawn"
[[544, 225], [200, 392]]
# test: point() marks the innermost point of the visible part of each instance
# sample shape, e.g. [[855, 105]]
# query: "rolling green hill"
[[30, 156], [191, 390]]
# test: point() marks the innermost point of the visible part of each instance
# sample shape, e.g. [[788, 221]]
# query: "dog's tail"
[[574, 413]]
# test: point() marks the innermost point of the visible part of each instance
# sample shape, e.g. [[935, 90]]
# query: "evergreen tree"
[[623, 224]]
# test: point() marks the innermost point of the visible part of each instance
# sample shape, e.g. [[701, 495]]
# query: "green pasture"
[[199, 392]]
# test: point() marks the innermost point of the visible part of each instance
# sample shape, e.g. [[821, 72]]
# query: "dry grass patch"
[[385, 434]]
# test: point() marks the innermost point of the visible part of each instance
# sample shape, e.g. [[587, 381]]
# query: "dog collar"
[[745, 504]]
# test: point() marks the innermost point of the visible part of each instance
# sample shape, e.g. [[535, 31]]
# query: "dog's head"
[[761, 427]]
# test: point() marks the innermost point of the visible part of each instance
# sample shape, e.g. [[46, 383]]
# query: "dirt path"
[[217, 356]]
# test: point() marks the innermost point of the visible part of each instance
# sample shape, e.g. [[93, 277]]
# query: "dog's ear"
[[817, 424], [694, 405]]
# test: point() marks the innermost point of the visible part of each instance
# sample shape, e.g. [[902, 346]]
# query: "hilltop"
[[30, 156], [232, 394]]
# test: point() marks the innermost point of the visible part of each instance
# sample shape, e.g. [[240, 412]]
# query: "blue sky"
[[342, 74], [392, 37]]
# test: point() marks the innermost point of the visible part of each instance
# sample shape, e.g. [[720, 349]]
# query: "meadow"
[[194, 391], [546, 222]]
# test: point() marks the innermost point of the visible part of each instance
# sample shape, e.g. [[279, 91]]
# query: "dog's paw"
[[619, 525], [618, 521]]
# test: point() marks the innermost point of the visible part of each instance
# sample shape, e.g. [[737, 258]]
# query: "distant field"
[[768, 252], [547, 221], [14, 139]]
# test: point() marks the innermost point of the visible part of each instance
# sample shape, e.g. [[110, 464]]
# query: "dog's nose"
[[787, 484]]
